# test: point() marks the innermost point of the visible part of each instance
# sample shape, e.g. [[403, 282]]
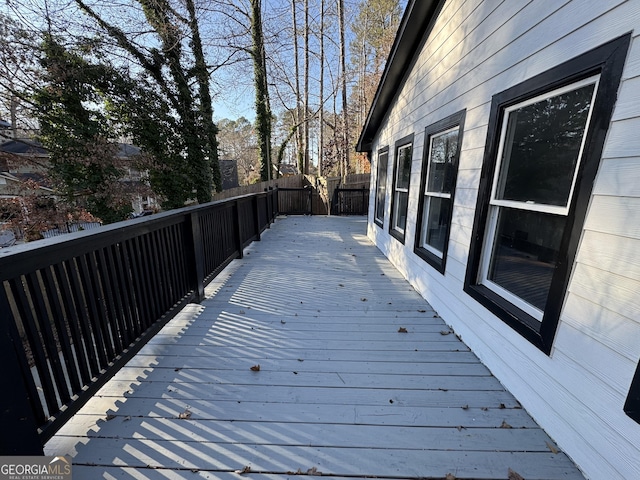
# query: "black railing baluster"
[[77, 307]]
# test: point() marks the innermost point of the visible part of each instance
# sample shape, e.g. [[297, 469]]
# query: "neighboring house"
[[27, 159], [505, 148], [286, 169], [22, 160]]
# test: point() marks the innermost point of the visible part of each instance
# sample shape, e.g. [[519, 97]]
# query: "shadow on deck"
[[358, 377]]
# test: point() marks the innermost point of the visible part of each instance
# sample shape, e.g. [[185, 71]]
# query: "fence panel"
[[295, 201], [351, 201]]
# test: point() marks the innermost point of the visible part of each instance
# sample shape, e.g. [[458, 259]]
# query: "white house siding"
[[475, 50]]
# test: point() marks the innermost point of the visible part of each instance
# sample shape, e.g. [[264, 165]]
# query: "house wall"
[[475, 50]]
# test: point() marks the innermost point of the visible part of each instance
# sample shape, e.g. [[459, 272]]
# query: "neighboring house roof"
[[287, 169], [417, 20], [24, 147], [34, 147], [20, 178]]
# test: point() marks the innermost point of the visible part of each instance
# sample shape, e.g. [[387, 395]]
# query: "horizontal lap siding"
[[475, 50]]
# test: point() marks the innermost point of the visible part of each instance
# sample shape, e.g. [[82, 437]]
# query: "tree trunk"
[[298, 111], [345, 115], [306, 87], [206, 108], [263, 108], [321, 113]]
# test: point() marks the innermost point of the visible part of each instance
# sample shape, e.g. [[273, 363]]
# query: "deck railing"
[[75, 309]]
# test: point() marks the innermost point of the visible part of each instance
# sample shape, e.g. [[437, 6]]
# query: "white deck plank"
[[339, 388]]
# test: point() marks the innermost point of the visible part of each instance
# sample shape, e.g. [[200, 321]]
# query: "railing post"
[[256, 215], [18, 428], [237, 228], [197, 256]]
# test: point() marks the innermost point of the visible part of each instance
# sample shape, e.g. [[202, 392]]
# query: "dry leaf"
[[445, 332], [505, 425], [450, 476], [127, 418], [422, 311], [313, 470], [185, 415], [110, 416], [256, 368], [363, 299], [553, 449], [485, 409], [502, 406], [242, 312], [514, 475], [402, 330], [465, 407], [246, 469]]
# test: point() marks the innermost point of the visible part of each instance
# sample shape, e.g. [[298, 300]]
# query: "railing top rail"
[[15, 259]]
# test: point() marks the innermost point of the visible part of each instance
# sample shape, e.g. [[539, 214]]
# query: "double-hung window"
[[543, 150], [439, 171], [401, 177], [381, 186]]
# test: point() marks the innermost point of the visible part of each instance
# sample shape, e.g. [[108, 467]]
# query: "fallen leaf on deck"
[[485, 409], [450, 476], [553, 449], [177, 369], [127, 418], [363, 299], [465, 407], [185, 415], [514, 475], [314, 470], [422, 311], [445, 332], [340, 285], [505, 425], [110, 416], [246, 469], [301, 359], [282, 322], [255, 368], [502, 406], [402, 330], [242, 312]]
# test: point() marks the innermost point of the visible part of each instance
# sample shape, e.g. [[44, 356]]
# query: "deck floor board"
[[340, 390]]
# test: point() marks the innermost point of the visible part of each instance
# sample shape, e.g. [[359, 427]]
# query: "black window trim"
[[380, 222], [608, 61], [400, 236], [632, 405], [450, 122]]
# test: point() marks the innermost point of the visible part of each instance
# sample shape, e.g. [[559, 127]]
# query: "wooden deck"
[[340, 390]]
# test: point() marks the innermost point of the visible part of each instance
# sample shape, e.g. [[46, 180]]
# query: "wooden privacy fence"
[[350, 201], [74, 309]]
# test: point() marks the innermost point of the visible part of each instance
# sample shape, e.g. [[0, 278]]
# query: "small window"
[[632, 405], [381, 185], [544, 143], [401, 178], [439, 171]]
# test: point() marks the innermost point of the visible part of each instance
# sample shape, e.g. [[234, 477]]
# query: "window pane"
[[542, 145], [404, 167], [381, 191], [525, 253], [400, 217], [441, 162], [437, 212]]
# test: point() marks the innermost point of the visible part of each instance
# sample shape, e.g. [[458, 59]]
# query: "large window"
[[381, 185], [401, 177], [543, 149], [439, 171]]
